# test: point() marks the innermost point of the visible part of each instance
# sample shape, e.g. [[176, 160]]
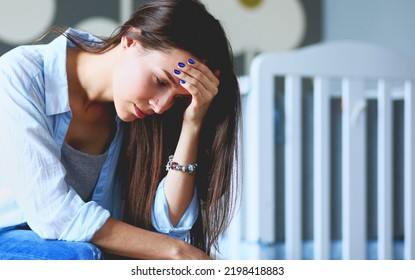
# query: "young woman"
[[89, 124]]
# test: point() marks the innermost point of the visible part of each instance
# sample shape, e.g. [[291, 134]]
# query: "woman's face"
[[144, 83]]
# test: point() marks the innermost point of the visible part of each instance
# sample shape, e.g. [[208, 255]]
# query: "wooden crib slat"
[[258, 165], [409, 172], [353, 170], [293, 167], [321, 169], [385, 193]]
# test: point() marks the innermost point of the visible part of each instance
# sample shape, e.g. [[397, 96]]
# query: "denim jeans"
[[21, 243]]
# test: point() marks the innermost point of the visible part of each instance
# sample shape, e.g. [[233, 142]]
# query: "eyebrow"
[[170, 77]]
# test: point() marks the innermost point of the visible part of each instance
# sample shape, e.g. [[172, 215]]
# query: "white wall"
[[389, 23], [269, 25]]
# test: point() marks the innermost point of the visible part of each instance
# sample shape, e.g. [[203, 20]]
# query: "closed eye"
[[161, 83]]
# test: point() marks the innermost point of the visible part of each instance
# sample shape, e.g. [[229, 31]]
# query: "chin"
[[129, 118], [126, 116]]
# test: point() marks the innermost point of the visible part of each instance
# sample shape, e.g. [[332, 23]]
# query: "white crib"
[[354, 73]]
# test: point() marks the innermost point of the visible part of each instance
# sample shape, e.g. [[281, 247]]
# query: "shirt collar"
[[56, 81]]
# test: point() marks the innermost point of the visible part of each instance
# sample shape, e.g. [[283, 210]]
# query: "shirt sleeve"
[[160, 215], [30, 168]]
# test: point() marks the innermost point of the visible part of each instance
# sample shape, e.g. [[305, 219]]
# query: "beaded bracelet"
[[172, 165]]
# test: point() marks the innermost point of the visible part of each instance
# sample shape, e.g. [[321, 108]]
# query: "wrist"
[[192, 127], [188, 168], [178, 249]]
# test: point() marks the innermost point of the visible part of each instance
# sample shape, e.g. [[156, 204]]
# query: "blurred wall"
[[253, 26], [23, 21], [383, 22]]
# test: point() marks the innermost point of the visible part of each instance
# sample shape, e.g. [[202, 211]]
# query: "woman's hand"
[[202, 84]]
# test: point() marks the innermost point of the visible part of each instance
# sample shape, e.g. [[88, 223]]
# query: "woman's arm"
[[179, 186], [122, 239], [202, 84]]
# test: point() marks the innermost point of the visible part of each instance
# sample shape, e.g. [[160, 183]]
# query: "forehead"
[[172, 56]]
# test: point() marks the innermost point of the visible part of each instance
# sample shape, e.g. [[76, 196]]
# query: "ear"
[[130, 38], [127, 42]]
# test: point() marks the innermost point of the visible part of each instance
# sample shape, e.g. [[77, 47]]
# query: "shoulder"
[[22, 78], [22, 64]]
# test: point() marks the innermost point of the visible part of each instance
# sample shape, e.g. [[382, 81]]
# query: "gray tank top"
[[82, 170]]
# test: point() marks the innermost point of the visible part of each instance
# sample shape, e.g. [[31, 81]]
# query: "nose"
[[161, 103]]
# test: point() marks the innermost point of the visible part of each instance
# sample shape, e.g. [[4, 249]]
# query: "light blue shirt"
[[34, 119]]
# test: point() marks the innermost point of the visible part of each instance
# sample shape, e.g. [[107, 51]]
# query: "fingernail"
[[182, 82], [181, 64], [191, 61], [177, 72]]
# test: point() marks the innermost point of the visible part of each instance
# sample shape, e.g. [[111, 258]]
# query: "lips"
[[139, 113]]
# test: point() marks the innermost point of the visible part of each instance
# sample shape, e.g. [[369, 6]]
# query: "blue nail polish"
[[182, 82], [181, 64], [191, 61], [177, 72]]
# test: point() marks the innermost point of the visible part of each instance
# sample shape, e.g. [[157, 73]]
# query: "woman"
[[167, 72]]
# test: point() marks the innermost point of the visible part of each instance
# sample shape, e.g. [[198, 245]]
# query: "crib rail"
[[352, 64]]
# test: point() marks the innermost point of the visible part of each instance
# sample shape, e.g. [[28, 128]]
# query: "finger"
[[205, 86], [199, 71], [195, 88], [194, 85], [217, 73], [202, 68]]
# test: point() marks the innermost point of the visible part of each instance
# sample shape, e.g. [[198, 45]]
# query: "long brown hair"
[[186, 25]]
